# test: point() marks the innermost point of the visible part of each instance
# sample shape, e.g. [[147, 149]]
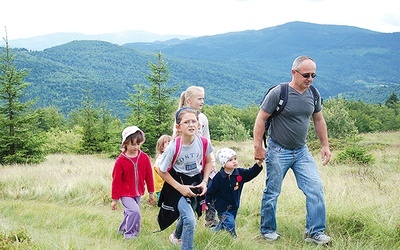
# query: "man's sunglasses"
[[307, 75]]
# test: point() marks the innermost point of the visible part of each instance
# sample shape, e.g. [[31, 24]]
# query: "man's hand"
[[326, 155]]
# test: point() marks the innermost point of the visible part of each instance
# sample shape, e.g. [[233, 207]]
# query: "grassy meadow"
[[64, 203]]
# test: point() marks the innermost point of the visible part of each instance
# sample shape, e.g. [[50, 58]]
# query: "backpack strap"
[[315, 95], [178, 146], [204, 142], [282, 99], [279, 107]]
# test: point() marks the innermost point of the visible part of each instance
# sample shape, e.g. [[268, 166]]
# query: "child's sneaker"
[[273, 236], [174, 240], [320, 238]]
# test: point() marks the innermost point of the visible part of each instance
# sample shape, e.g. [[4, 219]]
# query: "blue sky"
[[27, 18]]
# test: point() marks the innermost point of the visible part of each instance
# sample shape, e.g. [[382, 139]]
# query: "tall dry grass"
[[64, 203]]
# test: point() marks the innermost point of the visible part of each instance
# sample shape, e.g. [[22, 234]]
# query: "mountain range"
[[120, 38], [235, 68]]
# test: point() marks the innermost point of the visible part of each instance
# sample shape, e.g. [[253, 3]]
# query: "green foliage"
[[233, 73], [231, 130], [393, 99], [393, 102], [60, 73], [372, 117], [229, 123], [91, 136], [398, 231], [63, 141], [16, 240], [153, 106], [48, 118], [355, 154], [338, 120], [21, 141], [247, 116], [97, 127]]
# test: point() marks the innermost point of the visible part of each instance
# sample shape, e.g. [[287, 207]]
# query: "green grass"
[[64, 203]]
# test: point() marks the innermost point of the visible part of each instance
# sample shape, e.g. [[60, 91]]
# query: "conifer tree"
[[90, 126], [393, 103], [153, 106], [97, 127], [20, 140]]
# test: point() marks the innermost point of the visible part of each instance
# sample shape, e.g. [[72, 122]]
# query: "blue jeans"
[[278, 161], [227, 222], [186, 223]]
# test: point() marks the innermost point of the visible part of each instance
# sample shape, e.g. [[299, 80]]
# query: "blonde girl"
[[193, 97]]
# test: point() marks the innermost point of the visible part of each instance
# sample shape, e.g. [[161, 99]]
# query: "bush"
[[16, 240], [355, 154], [63, 142]]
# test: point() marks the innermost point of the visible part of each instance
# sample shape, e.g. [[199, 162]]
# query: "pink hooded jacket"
[[129, 179]]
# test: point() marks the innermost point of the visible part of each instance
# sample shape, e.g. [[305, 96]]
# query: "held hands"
[[259, 154]]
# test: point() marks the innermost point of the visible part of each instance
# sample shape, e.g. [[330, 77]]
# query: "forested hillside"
[[235, 68]]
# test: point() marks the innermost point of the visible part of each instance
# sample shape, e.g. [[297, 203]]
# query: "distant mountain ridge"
[[359, 56], [47, 41], [235, 68]]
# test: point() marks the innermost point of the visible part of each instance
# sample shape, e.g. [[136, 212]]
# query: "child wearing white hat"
[[226, 188], [132, 170]]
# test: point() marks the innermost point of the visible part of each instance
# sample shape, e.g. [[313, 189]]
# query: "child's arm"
[[250, 173], [149, 179], [206, 175], [151, 198], [116, 184]]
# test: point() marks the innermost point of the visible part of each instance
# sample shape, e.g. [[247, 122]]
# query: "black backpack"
[[281, 104]]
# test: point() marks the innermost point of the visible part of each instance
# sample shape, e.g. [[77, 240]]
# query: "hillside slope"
[[236, 68]]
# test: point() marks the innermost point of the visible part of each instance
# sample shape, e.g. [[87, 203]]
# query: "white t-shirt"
[[188, 160]]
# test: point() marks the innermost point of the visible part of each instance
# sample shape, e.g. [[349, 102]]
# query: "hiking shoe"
[[174, 240], [318, 238], [273, 236], [211, 223]]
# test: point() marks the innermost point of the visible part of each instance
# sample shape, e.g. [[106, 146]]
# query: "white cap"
[[224, 154], [129, 131]]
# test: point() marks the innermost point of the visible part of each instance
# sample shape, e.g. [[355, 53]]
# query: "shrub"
[[355, 154], [16, 240], [60, 141]]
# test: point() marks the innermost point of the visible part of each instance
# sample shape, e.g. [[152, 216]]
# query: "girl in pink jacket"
[[132, 170]]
